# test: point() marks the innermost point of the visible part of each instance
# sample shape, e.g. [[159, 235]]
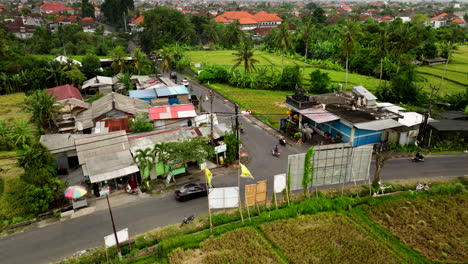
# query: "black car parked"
[[190, 191]]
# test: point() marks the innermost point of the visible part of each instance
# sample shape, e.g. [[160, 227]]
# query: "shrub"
[[319, 82]]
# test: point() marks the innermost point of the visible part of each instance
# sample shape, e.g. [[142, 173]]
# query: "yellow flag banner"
[[208, 176], [245, 172]]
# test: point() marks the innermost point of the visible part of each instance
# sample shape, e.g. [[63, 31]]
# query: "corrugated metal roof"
[[378, 125], [391, 107], [361, 90], [98, 81], [104, 105], [318, 115], [172, 90], [149, 139], [109, 166], [172, 112], [59, 143], [148, 93], [410, 119], [96, 144]]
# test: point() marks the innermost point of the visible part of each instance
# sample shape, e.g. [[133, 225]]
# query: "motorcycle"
[[282, 141], [275, 153], [417, 159], [130, 190], [187, 220]]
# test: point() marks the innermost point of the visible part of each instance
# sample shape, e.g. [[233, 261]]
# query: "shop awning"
[[318, 115], [109, 166]]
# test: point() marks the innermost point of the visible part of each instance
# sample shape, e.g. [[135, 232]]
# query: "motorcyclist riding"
[[419, 156], [275, 149]]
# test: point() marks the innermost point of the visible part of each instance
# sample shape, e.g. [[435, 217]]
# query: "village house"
[[110, 113], [353, 117], [248, 21]]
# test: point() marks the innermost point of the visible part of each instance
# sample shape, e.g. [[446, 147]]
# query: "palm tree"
[[43, 108], [381, 44], [118, 59], [283, 41], [54, 68], [161, 152], [21, 133], [166, 59], [145, 159], [351, 30], [138, 57], [245, 54], [307, 31]]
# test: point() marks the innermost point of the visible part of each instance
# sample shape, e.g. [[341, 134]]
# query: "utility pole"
[[427, 113], [113, 227], [236, 108], [211, 114], [125, 22]]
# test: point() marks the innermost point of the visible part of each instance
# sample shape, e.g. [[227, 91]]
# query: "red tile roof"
[[87, 21], [138, 20], [263, 16], [221, 19], [459, 21], [66, 19], [64, 92], [232, 15], [54, 7], [247, 21]]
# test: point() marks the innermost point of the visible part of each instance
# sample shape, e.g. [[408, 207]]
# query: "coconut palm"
[[138, 57], [307, 30], [455, 34], [381, 44], [42, 108], [118, 59], [351, 30], [245, 54], [145, 159], [166, 59], [161, 152], [283, 41]]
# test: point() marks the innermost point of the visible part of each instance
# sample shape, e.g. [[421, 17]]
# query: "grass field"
[[10, 107], [456, 78], [264, 103], [325, 238], [225, 58], [435, 227], [243, 244]]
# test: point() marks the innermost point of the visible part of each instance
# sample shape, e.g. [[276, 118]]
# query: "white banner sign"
[[280, 182], [220, 148], [227, 197], [122, 236]]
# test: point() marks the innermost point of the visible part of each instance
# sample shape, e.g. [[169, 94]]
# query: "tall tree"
[[42, 108], [118, 59], [116, 10], [138, 57], [245, 54], [381, 45], [351, 30], [87, 9], [165, 26], [306, 30], [91, 65], [456, 33], [145, 160], [283, 41], [232, 35]]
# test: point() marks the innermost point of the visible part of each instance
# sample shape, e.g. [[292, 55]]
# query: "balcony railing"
[[298, 104]]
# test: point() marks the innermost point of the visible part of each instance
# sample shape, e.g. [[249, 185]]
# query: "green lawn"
[[456, 78], [225, 58], [11, 107], [266, 104]]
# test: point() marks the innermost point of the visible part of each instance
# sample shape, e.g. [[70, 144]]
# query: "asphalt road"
[[56, 241]]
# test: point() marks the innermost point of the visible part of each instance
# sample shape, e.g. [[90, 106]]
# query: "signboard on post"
[[221, 148], [279, 183], [261, 192], [227, 197], [250, 191], [122, 236]]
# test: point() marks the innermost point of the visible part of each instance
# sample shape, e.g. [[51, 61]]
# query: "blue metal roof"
[[148, 93], [172, 90]]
